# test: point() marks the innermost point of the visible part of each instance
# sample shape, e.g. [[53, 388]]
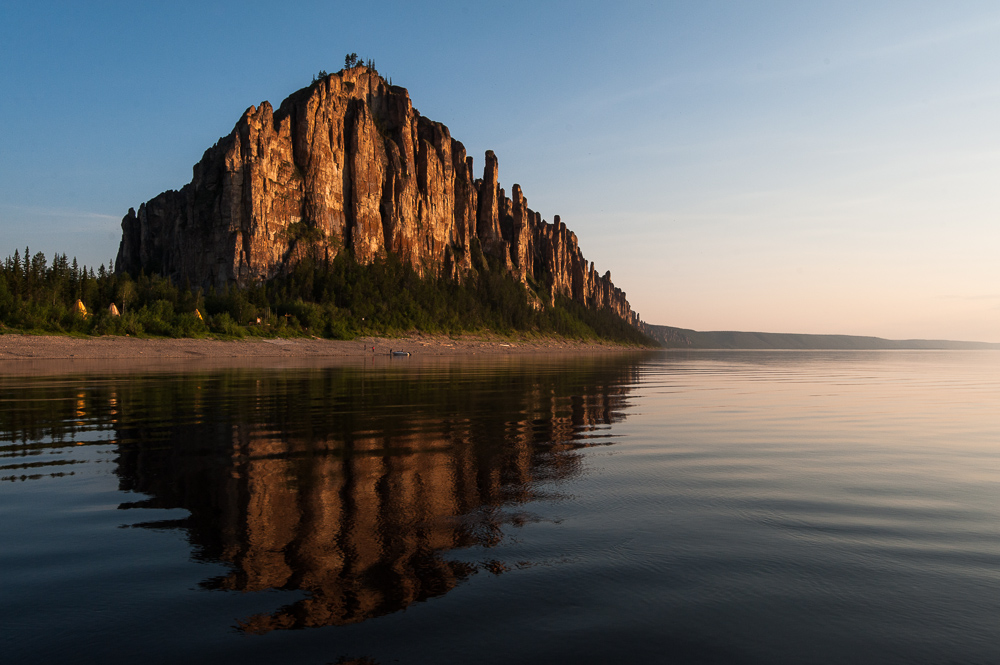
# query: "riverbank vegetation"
[[338, 299]]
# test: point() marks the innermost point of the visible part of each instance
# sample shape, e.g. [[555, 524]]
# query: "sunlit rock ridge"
[[348, 164]]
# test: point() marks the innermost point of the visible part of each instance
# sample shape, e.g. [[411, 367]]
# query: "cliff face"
[[349, 164]]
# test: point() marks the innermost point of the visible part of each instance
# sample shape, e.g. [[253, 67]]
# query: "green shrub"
[[224, 324]]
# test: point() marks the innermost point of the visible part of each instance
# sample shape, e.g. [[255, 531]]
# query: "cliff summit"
[[347, 164]]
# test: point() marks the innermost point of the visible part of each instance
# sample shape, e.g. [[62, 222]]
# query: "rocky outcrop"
[[348, 164]]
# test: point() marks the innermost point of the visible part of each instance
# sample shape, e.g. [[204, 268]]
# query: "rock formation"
[[349, 164]]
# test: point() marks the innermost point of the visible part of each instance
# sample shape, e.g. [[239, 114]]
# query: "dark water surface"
[[730, 507]]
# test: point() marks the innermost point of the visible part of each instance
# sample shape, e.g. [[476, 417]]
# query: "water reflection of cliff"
[[351, 485]]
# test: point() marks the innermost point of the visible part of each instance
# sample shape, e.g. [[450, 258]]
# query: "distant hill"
[[681, 338]]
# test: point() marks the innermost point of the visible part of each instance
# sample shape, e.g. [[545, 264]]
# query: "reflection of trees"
[[350, 485], [42, 422]]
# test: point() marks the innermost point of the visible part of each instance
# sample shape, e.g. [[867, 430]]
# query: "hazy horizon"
[[766, 166]]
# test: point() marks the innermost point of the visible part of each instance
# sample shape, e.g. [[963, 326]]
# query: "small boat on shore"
[[399, 353]]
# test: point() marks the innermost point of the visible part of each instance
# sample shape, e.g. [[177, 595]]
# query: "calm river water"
[[710, 507]]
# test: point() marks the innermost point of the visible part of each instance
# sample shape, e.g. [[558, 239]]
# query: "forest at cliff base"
[[335, 299]]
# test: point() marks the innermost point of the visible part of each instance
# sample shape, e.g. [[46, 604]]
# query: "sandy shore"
[[14, 347]]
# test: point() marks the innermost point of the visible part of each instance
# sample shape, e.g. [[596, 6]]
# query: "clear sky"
[[772, 166]]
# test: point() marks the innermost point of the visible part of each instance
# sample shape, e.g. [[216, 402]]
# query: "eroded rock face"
[[348, 164]]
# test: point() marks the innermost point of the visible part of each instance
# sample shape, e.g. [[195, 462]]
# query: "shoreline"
[[16, 347]]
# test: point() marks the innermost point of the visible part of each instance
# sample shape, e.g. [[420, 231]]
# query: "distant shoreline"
[[720, 340]]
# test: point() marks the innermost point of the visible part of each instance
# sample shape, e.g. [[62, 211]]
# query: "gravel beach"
[[46, 354]]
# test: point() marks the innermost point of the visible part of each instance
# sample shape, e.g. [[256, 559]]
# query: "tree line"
[[338, 298]]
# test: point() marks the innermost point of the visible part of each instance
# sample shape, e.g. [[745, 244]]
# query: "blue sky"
[[780, 166]]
